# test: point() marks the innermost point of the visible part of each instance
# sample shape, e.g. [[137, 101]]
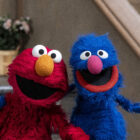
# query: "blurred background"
[[58, 23]]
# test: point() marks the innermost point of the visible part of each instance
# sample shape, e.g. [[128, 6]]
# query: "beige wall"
[[7, 7], [136, 4], [59, 22]]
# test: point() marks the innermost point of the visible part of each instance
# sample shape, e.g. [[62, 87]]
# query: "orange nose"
[[44, 65]]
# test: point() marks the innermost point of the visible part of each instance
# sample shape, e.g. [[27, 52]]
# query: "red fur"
[[23, 66], [24, 118]]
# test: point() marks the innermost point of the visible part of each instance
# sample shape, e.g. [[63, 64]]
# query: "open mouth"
[[34, 90], [99, 82]]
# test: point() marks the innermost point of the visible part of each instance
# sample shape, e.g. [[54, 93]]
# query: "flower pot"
[[6, 58]]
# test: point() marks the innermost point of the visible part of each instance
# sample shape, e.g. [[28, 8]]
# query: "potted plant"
[[14, 34]]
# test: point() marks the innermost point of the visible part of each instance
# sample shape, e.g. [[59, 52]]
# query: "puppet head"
[[94, 61], [38, 75]]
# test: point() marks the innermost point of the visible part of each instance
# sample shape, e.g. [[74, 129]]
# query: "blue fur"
[[2, 101], [97, 113]]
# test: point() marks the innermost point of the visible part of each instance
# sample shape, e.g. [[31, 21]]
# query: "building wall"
[[57, 23]]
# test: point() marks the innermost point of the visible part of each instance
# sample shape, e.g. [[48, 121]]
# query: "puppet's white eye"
[[39, 50], [102, 53], [85, 55], [55, 55]]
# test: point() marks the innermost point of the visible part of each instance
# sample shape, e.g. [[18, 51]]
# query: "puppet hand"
[[136, 108], [76, 133]]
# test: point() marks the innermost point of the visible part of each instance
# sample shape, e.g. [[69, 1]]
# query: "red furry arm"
[[66, 130]]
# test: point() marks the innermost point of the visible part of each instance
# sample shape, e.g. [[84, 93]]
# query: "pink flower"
[[25, 26], [21, 28], [17, 22], [28, 18], [7, 24]]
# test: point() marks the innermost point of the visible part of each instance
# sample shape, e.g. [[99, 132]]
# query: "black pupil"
[[87, 54], [53, 55], [100, 53], [41, 51]]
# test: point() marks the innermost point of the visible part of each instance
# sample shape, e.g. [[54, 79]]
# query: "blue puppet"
[[94, 62], [2, 101]]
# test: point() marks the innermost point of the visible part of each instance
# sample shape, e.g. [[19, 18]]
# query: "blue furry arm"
[[2, 102], [128, 105]]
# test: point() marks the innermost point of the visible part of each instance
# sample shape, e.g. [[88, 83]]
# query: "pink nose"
[[95, 64]]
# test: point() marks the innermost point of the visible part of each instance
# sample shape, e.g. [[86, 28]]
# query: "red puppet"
[[38, 77]]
